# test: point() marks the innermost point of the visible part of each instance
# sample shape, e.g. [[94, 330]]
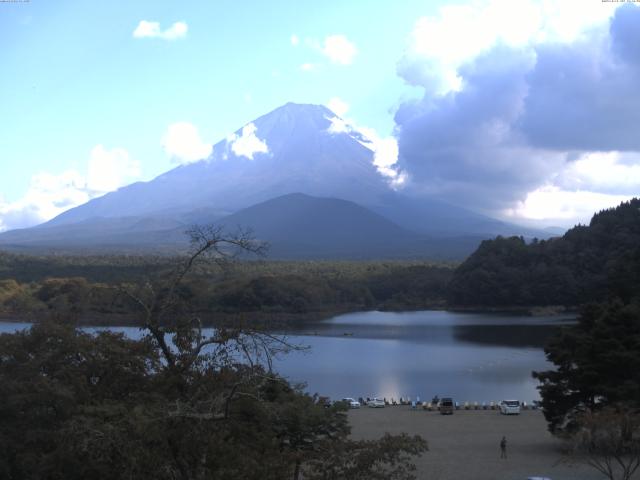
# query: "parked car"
[[352, 402], [509, 407], [375, 403], [446, 406]]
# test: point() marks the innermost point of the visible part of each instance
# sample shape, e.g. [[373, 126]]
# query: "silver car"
[[352, 402]]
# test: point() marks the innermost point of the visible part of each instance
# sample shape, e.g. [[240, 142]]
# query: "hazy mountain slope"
[[301, 226], [295, 225], [298, 224], [98, 234], [304, 155], [434, 217]]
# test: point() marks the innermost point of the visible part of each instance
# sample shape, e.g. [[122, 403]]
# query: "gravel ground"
[[466, 445]]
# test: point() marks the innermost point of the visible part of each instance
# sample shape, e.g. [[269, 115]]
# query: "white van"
[[509, 407]]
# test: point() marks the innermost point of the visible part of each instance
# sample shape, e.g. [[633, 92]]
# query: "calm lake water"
[[471, 357]]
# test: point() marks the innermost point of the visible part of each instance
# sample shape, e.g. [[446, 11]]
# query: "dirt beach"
[[466, 445]]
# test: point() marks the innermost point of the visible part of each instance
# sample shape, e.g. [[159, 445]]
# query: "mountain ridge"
[[297, 226], [303, 154]]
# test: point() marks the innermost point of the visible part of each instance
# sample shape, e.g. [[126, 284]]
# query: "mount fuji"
[[295, 149]]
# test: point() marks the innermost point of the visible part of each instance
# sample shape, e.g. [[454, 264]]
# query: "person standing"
[[503, 447]]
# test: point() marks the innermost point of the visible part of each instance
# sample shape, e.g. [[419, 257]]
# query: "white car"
[[375, 403], [509, 407], [352, 402]]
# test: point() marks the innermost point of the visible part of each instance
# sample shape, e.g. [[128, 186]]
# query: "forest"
[[588, 263], [88, 286]]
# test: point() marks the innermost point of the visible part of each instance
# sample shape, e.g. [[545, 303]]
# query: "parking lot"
[[466, 445]]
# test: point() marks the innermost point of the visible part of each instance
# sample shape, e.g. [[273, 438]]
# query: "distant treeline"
[[87, 286], [589, 263], [26, 268]]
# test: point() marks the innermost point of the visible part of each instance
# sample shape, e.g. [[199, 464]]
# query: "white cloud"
[[338, 125], [49, 194], [109, 169], [460, 32], [247, 144], [338, 106], [295, 40], [385, 155], [563, 207], [594, 181], [339, 49], [602, 172], [385, 150], [510, 88], [147, 29], [182, 142]]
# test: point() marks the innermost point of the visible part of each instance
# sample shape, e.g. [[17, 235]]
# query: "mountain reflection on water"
[[470, 356], [473, 357], [440, 326]]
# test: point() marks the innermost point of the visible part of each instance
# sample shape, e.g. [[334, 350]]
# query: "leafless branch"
[[208, 242]]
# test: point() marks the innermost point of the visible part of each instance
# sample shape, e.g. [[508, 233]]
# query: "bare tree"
[[608, 440], [178, 333]]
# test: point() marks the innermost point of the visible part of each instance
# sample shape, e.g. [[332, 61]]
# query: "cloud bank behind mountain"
[[525, 124]]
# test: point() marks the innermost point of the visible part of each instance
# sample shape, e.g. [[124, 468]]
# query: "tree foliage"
[[588, 263], [251, 286], [597, 364], [181, 403]]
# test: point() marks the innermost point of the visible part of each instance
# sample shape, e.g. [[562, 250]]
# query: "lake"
[[468, 356]]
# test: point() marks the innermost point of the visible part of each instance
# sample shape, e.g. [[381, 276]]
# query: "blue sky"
[[87, 104]]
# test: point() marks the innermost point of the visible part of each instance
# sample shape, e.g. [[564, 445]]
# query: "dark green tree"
[[182, 402], [588, 263], [597, 364]]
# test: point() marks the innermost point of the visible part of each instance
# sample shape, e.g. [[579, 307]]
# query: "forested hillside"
[[33, 286], [588, 263]]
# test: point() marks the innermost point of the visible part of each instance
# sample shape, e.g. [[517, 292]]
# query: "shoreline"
[[209, 320], [530, 310], [283, 319]]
